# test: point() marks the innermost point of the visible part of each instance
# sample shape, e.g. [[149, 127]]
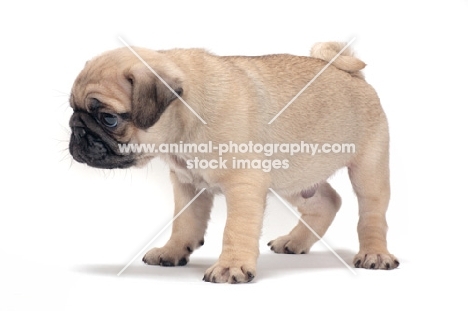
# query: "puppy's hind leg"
[[318, 206], [369, 174]]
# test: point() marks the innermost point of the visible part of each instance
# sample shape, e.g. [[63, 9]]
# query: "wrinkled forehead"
[[103, 79]]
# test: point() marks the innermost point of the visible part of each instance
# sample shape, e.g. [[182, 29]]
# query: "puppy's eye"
[[109, 120]]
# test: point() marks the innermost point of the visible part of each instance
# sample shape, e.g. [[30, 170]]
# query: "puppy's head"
[[114, 99]]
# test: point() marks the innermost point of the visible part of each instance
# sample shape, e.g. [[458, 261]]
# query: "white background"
[[66, 230]]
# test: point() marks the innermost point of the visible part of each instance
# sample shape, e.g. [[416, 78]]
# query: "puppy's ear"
[[150, 96]]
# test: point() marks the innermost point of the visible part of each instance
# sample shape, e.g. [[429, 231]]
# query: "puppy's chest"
[[186, 176]]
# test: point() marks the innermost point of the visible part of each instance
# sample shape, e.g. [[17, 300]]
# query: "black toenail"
[[166, 263]]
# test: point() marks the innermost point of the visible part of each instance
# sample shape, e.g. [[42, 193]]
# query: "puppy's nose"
[[79, 132]]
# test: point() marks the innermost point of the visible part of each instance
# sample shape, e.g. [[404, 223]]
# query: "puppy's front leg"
[[245, 197], [188, 229]]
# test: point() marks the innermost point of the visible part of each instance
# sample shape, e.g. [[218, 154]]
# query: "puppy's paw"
[[229, 273], [289, 245], [170, 255], [376, 261]]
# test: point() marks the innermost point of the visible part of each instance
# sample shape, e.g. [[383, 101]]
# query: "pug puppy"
[[195, 97]]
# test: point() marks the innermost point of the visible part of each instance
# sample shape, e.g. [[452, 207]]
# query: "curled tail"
[[346, 61]]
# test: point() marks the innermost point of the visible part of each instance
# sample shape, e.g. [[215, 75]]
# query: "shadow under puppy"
[[117, 100]]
